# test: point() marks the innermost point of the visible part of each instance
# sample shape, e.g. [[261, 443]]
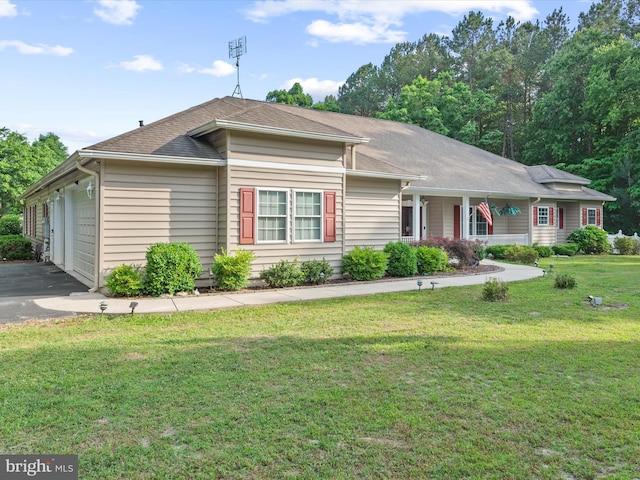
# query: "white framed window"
[[272, 215], [477, 223], [592, 216], [307, 216], [543, 216]]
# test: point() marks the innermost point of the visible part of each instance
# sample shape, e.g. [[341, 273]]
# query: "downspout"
[[96, 270]]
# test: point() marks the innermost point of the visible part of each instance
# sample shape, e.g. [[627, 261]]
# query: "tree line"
[[535, 92]]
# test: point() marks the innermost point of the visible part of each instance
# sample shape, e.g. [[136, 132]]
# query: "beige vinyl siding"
[[144, 204], [372, 212], [545, 234], [298, 152], [290, 181], [222, 209], [572, 219], [448, 203], [436, 216], [516, 224]]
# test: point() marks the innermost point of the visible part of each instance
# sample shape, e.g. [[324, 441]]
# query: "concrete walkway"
[[90, 302]]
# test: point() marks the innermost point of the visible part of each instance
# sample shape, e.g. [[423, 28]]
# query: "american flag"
[[485, 211]]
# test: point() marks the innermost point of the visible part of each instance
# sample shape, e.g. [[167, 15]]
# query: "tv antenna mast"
[[237, 48]]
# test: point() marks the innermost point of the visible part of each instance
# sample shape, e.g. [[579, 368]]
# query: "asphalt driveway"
[[20, 283]]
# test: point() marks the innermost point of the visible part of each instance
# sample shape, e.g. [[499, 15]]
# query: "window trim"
[[546, 217], [286, 216], [320, 217], [475, 219]]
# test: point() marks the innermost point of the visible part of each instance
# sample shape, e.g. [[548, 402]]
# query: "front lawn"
[[421, 384]]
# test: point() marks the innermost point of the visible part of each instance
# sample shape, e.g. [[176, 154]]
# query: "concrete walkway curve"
[[90, 302]]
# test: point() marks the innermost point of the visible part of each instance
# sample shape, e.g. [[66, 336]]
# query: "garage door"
[[84, 235]]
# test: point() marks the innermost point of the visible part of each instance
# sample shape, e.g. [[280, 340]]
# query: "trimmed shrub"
[[568, 249], [430, 260], [464, 253], [495, 290], [316, 271], [364, 263], [401, 259], [564, 280], [15, 247], [231, 272], [591, 239], [10, 224], [171, 268], [283, 274], [543, 251], [624, 245], [497, 251], [125, 281], [521, 254]]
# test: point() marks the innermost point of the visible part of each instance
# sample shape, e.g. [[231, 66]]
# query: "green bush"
[[364, 263], [564, 280], [495, 290], [521, 254], [15, 247], [430, 260], [636, 246], [231, 272], [591, 239], [401, 259], [283, 274], [568, 249], [543, 251], [125, 281], [171, 268], [624, 245], [10, 224], [316, 271], [497, 251]]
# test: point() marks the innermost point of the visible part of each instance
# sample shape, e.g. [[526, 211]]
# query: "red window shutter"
[[598, 217], [247, 216], [329, 216], [584, 216], [456, 221], [535, 216], [551, 219], [490, 229], [561, 218]]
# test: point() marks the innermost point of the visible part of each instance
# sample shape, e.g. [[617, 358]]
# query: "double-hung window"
[[477, 223], [272, 215], [592, 218], [543, 215], [307, 216]]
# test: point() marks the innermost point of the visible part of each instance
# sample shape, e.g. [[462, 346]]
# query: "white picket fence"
[[612, 239]]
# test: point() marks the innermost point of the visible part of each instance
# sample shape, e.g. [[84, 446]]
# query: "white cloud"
[[142, 63], [318, 89], [376, 22], [72, 139], [37, 49], [7, 9], [118, 12], [219, 68]]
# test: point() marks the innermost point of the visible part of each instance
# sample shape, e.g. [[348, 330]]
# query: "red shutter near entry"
[[490, 229], [584, 216], [535, 216], [598, 217], [329, 216], [551, 214], [561, 218], [247, 216], [456, 221]]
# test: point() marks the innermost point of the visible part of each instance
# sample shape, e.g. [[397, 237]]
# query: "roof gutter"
[[144, 157], [390, 176]]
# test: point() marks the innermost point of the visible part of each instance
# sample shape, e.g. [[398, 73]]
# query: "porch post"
[[464, 218], [416, 217]]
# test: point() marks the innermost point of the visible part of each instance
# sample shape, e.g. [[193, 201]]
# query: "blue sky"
[[91, 69]]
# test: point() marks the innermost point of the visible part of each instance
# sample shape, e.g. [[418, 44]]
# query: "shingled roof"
[[450, 166]]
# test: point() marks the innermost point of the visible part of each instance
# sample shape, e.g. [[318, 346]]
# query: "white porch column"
[[464, 218], [416, 217]]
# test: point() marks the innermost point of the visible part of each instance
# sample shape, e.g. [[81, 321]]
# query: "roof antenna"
[[237, 48]]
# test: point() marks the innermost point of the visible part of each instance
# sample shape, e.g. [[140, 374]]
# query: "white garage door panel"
[[84, 235]]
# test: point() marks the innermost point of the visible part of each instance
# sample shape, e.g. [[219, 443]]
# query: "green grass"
[[431, 384]]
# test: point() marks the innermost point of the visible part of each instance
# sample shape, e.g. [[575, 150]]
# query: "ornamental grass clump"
[[565, 281], [495, 290]]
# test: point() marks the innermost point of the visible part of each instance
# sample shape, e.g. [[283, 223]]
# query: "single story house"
[[288, 182]]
